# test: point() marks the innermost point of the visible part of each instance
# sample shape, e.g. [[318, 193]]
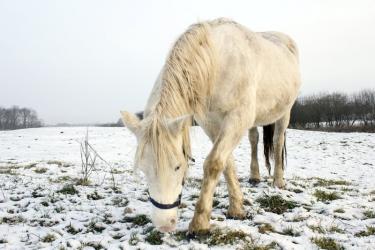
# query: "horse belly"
[[276, 93]]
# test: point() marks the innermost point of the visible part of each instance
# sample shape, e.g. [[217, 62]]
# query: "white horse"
[[230, 80]]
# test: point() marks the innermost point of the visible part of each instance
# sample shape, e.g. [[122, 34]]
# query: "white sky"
[[81, 61]]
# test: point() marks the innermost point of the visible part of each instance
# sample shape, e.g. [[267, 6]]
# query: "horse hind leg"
[[254, 165], [279, 144]]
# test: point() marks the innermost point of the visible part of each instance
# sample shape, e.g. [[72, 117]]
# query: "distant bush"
[[336, 112], [18, 118]]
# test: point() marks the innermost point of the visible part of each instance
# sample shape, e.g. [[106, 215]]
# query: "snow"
[[31, 207]]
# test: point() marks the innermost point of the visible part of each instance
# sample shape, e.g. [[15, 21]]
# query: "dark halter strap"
[[165, 206]]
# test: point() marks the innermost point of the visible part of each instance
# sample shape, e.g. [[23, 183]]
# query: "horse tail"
[[268, 132], [284, 155]]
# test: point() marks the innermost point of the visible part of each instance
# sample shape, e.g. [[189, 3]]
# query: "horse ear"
[[131, 121], [176, 125]]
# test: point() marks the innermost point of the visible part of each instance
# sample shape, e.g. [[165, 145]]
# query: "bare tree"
[[25, 114], [16, 118]]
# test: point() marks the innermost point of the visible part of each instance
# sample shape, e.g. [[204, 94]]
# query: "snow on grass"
[[329, 201]]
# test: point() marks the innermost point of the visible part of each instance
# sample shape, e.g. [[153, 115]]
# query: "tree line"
[[335, 111], [17, 118]]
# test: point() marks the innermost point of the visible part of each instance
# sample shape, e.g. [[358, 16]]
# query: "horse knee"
[[214, 167]]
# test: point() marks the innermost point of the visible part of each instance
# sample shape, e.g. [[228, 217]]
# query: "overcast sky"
[[82, 61]]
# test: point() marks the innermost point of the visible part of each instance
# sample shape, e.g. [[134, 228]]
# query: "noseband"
[[178, 201], [165, 206]]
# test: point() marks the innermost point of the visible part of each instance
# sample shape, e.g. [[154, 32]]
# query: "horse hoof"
[[254, 182], [279, 184], [196, 229], [200, 224], [239, 216], [191, 235]]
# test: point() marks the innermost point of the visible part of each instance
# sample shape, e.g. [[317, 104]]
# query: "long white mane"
[[187, 77]]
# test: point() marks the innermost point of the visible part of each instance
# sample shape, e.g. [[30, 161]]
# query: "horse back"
[[255, 69]]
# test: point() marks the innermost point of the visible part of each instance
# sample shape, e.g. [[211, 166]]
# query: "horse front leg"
[[235, 209], [229, 136], [213, 167]]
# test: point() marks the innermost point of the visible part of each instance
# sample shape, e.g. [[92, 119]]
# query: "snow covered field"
[[329, 199]]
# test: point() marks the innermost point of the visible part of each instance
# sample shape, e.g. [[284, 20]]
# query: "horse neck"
[[164, 103], [159, 109]]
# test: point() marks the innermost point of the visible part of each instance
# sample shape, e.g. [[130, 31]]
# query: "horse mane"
[[188, 73], [156, 134], [186, 81]]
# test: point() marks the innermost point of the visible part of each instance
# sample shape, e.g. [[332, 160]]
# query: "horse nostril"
[[173, 221]]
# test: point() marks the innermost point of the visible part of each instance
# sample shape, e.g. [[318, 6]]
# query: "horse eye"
[[177, 168]]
